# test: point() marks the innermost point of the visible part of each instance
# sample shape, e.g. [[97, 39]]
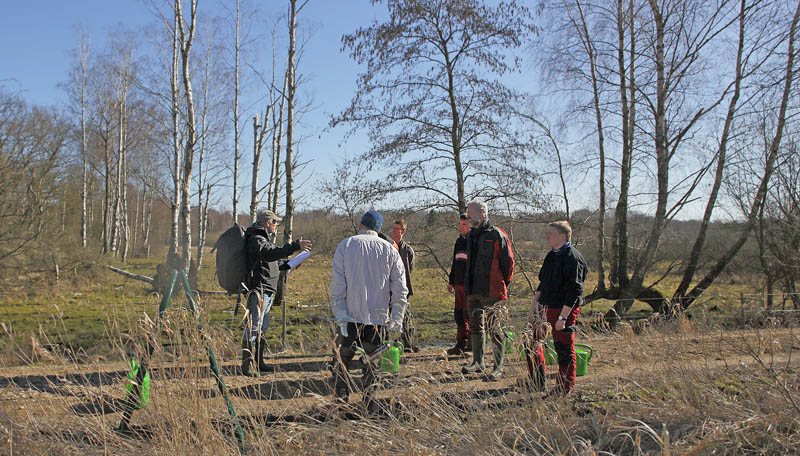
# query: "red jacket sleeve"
[[506, 257]]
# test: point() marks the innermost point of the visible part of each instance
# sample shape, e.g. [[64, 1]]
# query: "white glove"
[[395, 329], [342, 328]]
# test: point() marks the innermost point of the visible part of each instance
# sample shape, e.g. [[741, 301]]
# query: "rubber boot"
[[478, 346], [455, 351], [498, 350], [247, 358], [262, 366]]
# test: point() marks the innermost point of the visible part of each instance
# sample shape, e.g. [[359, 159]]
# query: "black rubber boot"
[[478, 346], [455, 351], [247, 358], [262, 366]]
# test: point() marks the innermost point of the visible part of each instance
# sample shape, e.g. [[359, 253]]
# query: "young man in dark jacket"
[[490, 268], [456, 285], [560, 290], [399, 229], [263, 257]]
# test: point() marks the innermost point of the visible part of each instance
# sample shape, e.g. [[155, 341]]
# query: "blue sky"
[[38, 36]]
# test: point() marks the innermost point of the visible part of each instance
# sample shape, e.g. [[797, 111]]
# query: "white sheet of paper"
[[297, 260]]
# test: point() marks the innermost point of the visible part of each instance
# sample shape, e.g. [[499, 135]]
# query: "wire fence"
[[743, 309]]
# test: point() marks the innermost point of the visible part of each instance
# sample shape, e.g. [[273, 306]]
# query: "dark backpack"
[[232, 267]]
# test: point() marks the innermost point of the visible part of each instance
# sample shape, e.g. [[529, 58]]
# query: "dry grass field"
[[688, 386]]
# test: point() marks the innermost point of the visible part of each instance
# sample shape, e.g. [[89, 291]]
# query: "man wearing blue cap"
[[368, 280]]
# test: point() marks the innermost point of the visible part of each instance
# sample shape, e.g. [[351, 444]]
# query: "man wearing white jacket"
[[368, 279]]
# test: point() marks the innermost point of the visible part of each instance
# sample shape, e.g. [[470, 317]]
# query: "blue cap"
[[372, 220]]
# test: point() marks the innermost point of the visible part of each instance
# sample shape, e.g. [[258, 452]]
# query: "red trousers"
[[461, 316], [564, 343]]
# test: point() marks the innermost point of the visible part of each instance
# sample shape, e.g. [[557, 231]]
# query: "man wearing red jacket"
[[490, 268]]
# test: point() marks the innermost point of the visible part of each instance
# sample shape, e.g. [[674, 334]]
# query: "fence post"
[[741, 305]]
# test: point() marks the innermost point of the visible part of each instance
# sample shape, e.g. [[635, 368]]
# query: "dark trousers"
[[461, 316], [408, 338], [367, 337], [564, 343], [482, 320]]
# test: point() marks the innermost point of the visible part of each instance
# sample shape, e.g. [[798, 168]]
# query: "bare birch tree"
[[437, 116]]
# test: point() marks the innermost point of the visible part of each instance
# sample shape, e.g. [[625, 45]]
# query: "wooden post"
[[741, 305], [283, 311]]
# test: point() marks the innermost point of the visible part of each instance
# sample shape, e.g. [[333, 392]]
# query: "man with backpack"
[[261, 281]]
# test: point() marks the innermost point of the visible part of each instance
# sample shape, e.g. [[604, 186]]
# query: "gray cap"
[[265, 215]]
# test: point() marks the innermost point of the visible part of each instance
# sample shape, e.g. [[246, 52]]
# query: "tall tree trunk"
[[147, 222], [115, 214], [276, 162], [175, 204], [64, 209], [590, 51], [259, 132], [662, 172], [769, 167], [137, 218], [694, 256], [455, 131], [619, 242], [126, 231], [106, 194], [186, 40], [202, 175], [203, 234], [236, 156], [275, 138], [289, 164], [84, 56], [256, 165], [291, 88]]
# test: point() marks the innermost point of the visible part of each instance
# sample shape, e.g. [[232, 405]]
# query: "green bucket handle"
[[587, 348]]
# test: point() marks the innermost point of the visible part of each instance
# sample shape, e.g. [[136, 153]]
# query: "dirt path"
[[71, 393]]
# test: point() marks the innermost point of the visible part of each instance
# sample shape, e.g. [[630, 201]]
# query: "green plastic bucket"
[[583, 354], [390, 359], [144, 391]]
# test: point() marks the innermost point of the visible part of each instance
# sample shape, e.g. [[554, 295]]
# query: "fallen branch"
[[130, 275], [212, 292], [150, 280]]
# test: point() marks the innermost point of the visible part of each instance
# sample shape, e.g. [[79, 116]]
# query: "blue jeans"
[[259, 318]]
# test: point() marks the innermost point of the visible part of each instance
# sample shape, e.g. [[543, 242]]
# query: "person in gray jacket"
[[368, 279]]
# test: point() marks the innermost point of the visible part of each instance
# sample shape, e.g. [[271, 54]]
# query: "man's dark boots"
[[262, 366]]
